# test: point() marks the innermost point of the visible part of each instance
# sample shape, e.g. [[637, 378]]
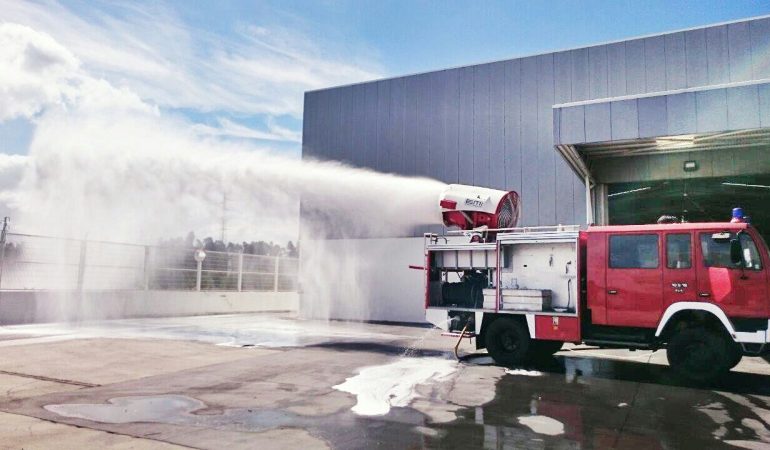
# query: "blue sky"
[[237, 69]]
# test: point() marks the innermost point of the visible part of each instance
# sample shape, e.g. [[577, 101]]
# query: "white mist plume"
[[106, 165], [103, 164]]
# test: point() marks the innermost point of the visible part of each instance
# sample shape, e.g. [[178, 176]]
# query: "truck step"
[[457, 334], [617, 344]]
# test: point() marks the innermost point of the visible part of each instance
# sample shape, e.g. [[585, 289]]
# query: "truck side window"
[[678, 251], [716, 253], [634, 251]]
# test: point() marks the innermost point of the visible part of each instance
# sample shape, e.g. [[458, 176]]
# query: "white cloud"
[[36, 71], [255, 70], [229, 128]]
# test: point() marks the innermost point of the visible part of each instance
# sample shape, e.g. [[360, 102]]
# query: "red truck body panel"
[[621, 295]]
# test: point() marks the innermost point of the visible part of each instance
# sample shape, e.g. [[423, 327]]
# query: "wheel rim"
[[698, 357], [508, 342]]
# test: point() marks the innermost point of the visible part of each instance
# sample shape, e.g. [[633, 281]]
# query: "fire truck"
[[698, 290]]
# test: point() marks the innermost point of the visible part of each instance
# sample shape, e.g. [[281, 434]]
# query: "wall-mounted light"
[[690, 166]]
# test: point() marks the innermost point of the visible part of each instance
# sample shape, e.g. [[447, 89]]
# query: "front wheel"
[[507, 341], [698, 355]]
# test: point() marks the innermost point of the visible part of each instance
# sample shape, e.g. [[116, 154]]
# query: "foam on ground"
[[378, 388]]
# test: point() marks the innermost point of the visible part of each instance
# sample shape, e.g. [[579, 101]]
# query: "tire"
[[734, 355], [698, 355], [543, 350], [507, 341]]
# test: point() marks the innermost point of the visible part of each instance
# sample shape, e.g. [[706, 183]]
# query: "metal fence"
[[31, 262]]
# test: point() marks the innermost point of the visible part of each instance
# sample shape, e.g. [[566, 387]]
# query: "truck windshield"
[[716, 253]]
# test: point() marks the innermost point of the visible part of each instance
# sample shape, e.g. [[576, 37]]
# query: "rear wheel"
[[507, 341], [698, 355]]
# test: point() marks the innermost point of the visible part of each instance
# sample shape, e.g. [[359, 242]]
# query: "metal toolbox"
[[525, 299]]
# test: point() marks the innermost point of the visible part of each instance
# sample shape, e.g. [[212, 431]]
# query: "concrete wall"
[[55, 306], [363, 279]]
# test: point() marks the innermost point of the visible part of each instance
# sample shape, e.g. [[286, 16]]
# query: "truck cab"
[[699, 290]]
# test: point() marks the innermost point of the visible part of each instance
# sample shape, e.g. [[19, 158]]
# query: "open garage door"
[[694, 200]]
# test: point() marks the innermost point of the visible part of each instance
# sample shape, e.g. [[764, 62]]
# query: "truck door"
[[739, 291], [634, 280], [679, 273]]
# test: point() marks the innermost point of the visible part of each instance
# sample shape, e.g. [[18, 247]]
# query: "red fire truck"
[[699, 290]]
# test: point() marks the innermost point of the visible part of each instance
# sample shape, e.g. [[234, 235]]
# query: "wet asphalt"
[[245, 394]]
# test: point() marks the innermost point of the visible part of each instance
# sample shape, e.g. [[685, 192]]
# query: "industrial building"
[[616, 133]]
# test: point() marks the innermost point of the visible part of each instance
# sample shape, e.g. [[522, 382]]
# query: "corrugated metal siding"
[[492, 124]]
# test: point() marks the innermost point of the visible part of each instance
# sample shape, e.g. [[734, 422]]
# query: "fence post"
[[275, 274], [3, 240], [240, 271], [198, 276], [82, 265], [146, 267]]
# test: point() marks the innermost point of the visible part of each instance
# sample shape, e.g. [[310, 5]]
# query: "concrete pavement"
[[271, 381]]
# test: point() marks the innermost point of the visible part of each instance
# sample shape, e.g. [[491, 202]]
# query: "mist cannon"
[[477, 208]]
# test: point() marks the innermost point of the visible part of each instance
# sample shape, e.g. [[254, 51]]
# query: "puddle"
[[132, 409], [344, 430], [378, 388]]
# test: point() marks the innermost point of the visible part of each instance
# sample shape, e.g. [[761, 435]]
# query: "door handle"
[[612, 291], [704, 294]]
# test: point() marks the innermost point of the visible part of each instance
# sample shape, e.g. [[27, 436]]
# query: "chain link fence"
[[31, 262]]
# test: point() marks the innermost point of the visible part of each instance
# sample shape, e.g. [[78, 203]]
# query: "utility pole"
[[224, 216]]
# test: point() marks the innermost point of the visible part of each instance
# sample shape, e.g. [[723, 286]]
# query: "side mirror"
[[736, 252]]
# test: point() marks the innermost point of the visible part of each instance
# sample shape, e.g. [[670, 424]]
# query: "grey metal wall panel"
[[572, 122], [635, 70], [545, 151], [625, 121], [760, 47], [529, 177], [383, 125], [451, 116], [345, 142], [513, 163], [597, 72], [718, 59], [697, 60], [436, 149], [675, 61], [655, 64], [739, 48], [497, 126], [411, 148], [652, 117], [424, 104], [370, 114], [743, 107], [580, 90], [358, 138], [598, 126], [711, 110], [397, 122], [562, 66], [466, 125], [680, 113], [764, 104], [481, 125], [331, 147], [616, 69]]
